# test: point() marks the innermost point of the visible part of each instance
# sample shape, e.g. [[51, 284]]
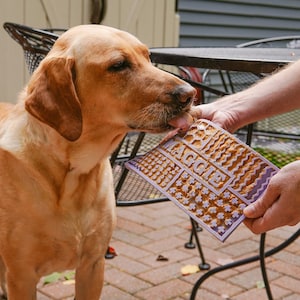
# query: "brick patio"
[[145, 232]]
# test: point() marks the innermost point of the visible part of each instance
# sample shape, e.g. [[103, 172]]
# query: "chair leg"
[[203, 265], [263, 266], [191, 245]]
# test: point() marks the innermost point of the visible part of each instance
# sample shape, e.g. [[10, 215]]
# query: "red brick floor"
[[145, 232]]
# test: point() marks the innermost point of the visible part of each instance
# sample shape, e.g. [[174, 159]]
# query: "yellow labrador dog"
[[56, 188]]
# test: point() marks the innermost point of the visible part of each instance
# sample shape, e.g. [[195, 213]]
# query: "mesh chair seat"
[[130, 188]]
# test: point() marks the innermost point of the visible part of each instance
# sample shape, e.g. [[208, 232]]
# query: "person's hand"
[[219, 112], [280, 203]]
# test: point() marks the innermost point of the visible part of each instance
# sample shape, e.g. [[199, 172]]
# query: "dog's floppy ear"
[[52, 97]]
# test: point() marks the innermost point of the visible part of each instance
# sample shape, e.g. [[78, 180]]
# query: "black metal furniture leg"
[[203, 265], [190, 244], [263, 266], [241, 262]]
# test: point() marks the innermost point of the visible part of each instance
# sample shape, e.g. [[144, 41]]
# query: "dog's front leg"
[[89, 280], [3, 279], [21, 286]]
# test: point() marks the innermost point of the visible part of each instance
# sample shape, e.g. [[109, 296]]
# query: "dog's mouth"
[[159, 118], [182, 121]]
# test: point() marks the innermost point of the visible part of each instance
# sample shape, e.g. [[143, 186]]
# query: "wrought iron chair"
[[130, 189], [36, 43]]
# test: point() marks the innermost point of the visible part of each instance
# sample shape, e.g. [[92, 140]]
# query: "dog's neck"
[[84, 156], [80, 156], [44, 143]]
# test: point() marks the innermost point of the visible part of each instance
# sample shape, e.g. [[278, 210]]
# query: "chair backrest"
[[292, 41], [239, 80], [36, 43]]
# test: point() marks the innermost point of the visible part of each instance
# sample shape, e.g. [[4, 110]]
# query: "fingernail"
[[248, 210]]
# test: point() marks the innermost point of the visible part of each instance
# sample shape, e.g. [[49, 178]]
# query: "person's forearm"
[[276, 94]]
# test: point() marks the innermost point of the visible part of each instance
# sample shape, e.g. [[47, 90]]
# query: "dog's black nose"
[[184, 94]]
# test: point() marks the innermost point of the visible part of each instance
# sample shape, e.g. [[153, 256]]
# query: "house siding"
[[229, 23], [155, 22]]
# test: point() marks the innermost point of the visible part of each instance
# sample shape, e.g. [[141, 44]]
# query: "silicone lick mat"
[[209, 174]]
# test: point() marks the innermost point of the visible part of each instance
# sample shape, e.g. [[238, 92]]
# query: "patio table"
[[253, 60]]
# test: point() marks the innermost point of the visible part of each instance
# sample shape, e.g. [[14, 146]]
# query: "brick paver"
[[145, 232]]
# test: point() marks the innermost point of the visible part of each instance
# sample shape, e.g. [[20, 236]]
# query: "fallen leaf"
[[51, 278], [111, 253], [260, 284], [69, 275], [189, 269], [69, 282], [161, 258]]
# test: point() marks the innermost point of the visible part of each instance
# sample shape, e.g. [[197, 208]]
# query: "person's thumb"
[[255, 209], [196, 111], [261, 205]]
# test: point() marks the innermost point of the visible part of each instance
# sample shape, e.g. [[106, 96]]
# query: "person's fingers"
[[280, 203], [258, 225], [256, 209], [196, 111], [272, 218], [263, 215], [253, 225], [259, 207]]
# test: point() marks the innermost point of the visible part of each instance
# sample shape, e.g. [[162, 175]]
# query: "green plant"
[[278, 158]]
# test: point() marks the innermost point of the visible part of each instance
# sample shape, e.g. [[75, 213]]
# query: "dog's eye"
[[119, 66]]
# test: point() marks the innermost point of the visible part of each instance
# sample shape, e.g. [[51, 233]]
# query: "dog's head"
[[99, 76]]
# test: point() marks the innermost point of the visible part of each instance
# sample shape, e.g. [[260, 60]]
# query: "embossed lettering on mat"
[[209, 174]]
